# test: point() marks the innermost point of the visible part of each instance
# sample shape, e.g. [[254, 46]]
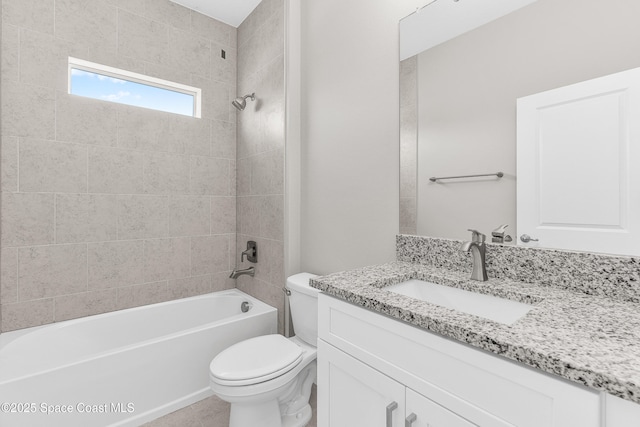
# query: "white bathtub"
[[122, 368]]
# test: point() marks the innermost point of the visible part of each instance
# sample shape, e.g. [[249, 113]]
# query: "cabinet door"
[[621, 413], [352, 394], [430, 414]]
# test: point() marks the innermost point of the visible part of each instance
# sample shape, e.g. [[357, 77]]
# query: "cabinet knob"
[[390, 408], [408, 422]]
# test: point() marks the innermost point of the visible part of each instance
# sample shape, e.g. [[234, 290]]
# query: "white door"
[[352, 394], [578, 166]]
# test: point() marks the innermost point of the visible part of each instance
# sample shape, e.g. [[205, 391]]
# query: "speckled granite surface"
[[577, 331], [617, 277]]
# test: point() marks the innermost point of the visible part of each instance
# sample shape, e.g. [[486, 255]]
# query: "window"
[[112, 84]]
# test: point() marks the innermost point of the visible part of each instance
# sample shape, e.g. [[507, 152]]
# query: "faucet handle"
[[477, 236], [499, 232]]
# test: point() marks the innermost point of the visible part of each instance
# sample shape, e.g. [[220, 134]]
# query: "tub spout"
[[251, 271]]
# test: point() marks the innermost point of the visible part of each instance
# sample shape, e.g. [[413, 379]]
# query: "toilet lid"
[[256, 359]]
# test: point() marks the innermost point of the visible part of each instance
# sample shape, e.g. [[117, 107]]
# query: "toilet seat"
[[255, 360]]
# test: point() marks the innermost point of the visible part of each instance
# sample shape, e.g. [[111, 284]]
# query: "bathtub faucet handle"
[[251, 253]]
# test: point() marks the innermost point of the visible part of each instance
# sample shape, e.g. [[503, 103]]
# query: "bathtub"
[[122, 368]]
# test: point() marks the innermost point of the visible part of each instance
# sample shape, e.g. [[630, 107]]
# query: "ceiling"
[[231, 12], [443, 20]]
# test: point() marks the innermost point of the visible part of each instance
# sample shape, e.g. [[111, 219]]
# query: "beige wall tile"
[[216, 99], [134, 6], [209, 176], [86, 218], [223, 69], [178, 75], [27, 219], [149, 293], [408, 212], [186, 135], [270, 83], [43, 59], [243, 177], [189, 51], [49, 271], [26, 314], [33, 14], [141, 217], [273, 261], [168, 13], [28, 111], [209, 255], [141, 128], [48, 166], [92, 155], [188, 287], [232, 178], [87, 23], [115, 171], [272, 217], [85, 120], [166, 173], [254, 21], [223, 215], [8, 275], [9, 167], [222, 281], [190, 216], [166, 259], [248, 212], [223, 139], [249, 129], [84, 304], [10, 60], [267, 173], [142, 38], [115, 264], [216, 31]]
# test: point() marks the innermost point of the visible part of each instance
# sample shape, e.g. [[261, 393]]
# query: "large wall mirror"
[[459, 86]]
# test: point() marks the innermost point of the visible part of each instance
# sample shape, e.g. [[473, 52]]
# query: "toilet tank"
[[304, 307]]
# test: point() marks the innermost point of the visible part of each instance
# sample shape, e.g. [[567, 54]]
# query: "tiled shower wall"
[[261, 142], [408, 144], [106, 206]]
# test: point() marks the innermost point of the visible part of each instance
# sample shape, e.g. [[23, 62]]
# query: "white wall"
[[350, 128]]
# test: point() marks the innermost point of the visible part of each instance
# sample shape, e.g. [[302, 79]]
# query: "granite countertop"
[[591, 340]]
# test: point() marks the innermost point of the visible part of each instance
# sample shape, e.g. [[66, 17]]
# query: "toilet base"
[[285, 407], [301, 419], [267, 415], [257, 414]]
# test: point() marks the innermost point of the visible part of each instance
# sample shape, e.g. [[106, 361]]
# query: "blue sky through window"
[[107, 88]]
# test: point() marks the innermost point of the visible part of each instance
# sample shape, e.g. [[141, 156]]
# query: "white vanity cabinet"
[[359, 395], [367, 361]]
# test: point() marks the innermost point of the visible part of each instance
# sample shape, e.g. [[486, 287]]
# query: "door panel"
[[576, 189], [352, 394]]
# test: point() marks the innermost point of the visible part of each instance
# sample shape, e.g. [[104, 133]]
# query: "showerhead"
[[241, 101]]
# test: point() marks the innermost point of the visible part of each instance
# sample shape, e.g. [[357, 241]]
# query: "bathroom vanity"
[[387, 359]]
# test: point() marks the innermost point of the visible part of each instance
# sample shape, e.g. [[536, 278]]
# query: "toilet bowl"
[[268, 379]]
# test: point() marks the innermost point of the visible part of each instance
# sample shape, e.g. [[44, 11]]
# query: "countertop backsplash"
[[616, 277]]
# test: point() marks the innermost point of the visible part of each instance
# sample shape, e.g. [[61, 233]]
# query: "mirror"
[[459, 90]]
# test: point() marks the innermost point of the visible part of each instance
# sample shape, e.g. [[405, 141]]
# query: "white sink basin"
[[497, 309]]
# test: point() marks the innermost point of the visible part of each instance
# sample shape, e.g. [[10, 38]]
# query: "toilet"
[[268, 379]]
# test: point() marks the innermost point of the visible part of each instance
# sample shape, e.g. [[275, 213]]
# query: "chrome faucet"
[[478, 249], [251, 271]]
